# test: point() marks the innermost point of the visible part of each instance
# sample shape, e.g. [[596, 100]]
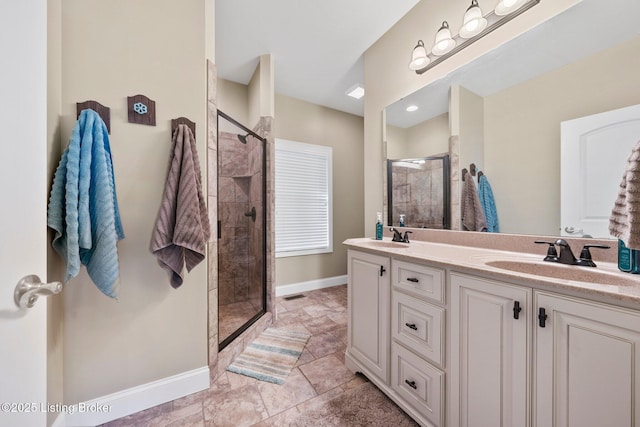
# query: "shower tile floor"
[[233, 316], [235, 400]]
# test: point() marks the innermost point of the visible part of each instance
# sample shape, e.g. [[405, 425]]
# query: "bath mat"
[[271, 356]]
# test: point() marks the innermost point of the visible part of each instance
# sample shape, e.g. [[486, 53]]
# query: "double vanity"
[[459, 335]]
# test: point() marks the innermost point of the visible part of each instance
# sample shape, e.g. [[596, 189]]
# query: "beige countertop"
[[604, 283]]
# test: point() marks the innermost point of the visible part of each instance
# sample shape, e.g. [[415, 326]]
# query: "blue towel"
[[83, 209], [488, 205]]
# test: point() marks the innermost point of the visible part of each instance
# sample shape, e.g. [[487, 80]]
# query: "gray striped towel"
[[624, 222], [182, 227]]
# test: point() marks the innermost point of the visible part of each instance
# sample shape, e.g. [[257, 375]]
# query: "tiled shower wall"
[[240, 247]]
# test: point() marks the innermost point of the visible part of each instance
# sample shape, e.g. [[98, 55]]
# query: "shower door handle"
[[251, 214], [219, 229]]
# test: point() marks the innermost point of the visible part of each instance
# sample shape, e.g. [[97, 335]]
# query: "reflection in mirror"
[[505, 109], [418, 192]]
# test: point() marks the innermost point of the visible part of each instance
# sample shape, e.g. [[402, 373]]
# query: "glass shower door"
[[241, 228]]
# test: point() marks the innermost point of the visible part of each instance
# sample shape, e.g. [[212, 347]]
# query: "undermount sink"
[[387, 244], [564, 272]]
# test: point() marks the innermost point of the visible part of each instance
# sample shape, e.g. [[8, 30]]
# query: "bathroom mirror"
[[418, 192], [507, 106]]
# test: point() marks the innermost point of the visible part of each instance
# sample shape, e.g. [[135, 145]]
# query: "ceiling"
[[317, 47], [586, 28]]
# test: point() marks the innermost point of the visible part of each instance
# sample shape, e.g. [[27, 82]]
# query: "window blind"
[[303, 193]]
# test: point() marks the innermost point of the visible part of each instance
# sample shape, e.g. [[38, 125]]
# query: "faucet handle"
[[405, 239], [585, 255], [552, 254]]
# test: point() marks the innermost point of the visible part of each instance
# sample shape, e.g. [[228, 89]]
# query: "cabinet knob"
[[411, 384], [411, 326]]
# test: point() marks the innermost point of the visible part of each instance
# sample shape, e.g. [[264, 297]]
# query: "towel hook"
[[103, 112], [141, 110], [472, 169], [185, 121]]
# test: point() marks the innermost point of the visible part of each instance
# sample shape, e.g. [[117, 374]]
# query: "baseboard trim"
[[126, 402], [311, 285]]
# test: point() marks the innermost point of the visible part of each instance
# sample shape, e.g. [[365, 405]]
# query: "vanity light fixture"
[[412, 108], [444, 42], [419, 57], [475, 26], [356, 92], [473, 23], [505, 7]]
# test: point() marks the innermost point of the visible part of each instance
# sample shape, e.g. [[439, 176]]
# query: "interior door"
[[594, 153], [23, 181]]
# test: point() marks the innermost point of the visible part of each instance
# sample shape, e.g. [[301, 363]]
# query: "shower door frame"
[[263, 311]]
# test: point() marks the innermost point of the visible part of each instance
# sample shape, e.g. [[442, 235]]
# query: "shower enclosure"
[[241, 228], [419, 190]]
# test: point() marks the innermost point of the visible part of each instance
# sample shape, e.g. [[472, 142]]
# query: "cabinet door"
[[490, 353], [587, 364], [368, 312]]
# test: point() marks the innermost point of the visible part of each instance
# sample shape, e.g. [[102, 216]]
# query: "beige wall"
[[387, 77], [469, 118], [233, 99], [522, 132], [112, 49], [313, 124]]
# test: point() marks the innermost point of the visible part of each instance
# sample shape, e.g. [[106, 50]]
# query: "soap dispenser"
[[379, 227], [628, 259], [401, 220]]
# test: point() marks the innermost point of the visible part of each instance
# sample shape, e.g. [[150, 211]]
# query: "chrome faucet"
[[398, 237], [566, 255]]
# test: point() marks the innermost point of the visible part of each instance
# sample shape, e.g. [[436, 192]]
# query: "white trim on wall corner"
[[126, 402], [311, 285]]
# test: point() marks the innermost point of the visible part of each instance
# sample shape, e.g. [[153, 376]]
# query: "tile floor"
[[235, 400]]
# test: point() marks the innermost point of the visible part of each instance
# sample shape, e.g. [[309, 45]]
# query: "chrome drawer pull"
[[411, 384], [411, 326], [412, 279]]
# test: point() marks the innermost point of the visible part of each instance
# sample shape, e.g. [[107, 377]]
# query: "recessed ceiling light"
[[356, 92], [411, 108]]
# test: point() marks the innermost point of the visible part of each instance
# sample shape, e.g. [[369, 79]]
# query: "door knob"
[[573, 230], [29, 288]]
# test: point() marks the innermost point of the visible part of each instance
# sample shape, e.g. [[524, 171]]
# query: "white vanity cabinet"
[[490, 352], [368, 314], [455, 346], [418, 339], [565, 362], [587, 364]]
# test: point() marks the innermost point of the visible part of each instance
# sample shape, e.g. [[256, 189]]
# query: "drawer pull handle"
[[411, 384], [412, 279], [411, 326]]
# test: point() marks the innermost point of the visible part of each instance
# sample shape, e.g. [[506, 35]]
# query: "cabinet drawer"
[[424, 282], [418, 383], [418, 325]]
